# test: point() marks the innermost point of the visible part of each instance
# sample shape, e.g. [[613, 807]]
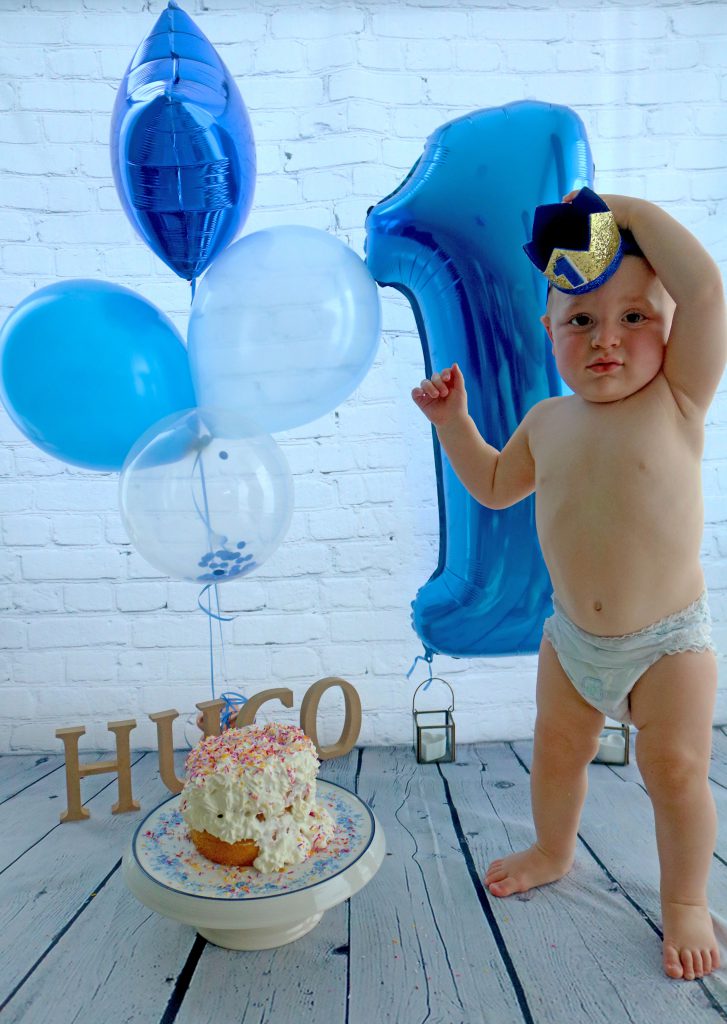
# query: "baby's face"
[[610, 343]]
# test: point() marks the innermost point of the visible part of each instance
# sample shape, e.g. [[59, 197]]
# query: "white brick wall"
[[341, 98]]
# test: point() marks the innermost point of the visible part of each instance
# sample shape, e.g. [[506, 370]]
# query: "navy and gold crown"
[[578, 245]]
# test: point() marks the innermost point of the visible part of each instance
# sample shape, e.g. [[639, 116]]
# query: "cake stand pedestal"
[[240, 908]]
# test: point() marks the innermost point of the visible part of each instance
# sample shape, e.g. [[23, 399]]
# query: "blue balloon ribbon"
[[451, 238]]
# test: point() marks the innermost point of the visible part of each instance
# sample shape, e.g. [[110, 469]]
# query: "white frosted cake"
[[250, 797]]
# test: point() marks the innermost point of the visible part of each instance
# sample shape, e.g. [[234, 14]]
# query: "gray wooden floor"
[[423, 942]]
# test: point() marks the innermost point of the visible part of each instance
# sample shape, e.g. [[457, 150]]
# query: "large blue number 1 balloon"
[[450, 238]]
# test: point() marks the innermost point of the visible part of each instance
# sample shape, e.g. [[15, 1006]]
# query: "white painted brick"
[[273, 91], [54, 564], [410, 23], [26, 530], [302, 23], [24, 192], [470, 91], [140, 597], [324, 54], [523, 57], [691, 154], [22, 26], [38, 599], [88, 597], [575, 57], [75, 631], [399, 154], [320, 120], [658, 87], [64, 194], [278, 55], [711, 120], [368, 115], [276, 190], [71, 62], [26, 259], [7, 96], [66, 94], [16, 127], [376, 85], [424, 55], [700, 20], [612, 23], [296, 663], [616, 124], [381, 54], [19, 704], [325, 184]]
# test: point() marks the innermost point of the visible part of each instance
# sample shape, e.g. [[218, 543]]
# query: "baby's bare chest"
[[634, 459]]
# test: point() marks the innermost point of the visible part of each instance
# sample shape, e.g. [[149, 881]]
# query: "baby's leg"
[[566, 740], [672, 707]]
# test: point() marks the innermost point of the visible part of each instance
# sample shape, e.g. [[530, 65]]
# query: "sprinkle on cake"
[[257, 784]]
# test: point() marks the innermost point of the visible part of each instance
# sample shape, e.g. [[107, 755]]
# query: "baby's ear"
[[547, 324]]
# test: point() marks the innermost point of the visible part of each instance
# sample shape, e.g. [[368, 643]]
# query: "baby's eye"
[[634, 317], [580, 320]]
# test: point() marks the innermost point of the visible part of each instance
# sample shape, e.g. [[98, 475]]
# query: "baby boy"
[[636, 318]]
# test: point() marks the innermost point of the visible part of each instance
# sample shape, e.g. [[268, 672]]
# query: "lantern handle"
[[432, 679]]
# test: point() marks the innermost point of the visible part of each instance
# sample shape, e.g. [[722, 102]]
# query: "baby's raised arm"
[[697, 346], [495, 479]]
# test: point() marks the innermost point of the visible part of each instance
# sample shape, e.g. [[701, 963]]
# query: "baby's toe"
[[687, 958], [672, 963], [504, 888]]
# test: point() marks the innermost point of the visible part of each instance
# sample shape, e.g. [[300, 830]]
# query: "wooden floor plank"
[[421, 947], [29, 815], [617, 827], [18, 771], [117, 962], [43, 890], [581, 928]]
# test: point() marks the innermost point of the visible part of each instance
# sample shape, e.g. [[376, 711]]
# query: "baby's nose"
[[606, 337]]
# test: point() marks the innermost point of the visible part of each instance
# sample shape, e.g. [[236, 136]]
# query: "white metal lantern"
[[613, 745], [433, 730]]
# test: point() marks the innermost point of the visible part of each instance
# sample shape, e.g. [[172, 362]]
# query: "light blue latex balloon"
[[451, 239], [182, 150], [202, 508], [88, 366], [284, 326]]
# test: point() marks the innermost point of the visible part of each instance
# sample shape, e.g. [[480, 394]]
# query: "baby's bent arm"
[[697, 346], [495, 479]]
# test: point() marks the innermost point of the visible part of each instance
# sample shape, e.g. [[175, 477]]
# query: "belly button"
[[597, 605]]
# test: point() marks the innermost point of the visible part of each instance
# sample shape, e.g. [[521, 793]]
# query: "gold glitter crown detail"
[[587, 264]]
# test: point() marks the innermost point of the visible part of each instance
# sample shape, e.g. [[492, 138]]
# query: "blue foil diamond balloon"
[[182, 150]]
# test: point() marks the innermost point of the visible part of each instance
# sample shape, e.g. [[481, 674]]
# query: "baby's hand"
[[442, 398]]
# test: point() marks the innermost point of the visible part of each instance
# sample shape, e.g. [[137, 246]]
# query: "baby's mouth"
[[604, 367]]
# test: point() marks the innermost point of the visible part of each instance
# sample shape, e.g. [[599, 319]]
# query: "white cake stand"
[[241, 908]]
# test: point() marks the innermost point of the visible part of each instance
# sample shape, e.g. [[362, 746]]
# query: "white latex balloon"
[[284, 326]]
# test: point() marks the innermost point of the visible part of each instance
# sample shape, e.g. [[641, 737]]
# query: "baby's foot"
[[690, 948], [519, 872]]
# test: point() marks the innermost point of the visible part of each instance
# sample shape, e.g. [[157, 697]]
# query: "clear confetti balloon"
[[203, 507]]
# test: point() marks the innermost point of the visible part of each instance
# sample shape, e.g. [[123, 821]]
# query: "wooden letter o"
[[352, 722]]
